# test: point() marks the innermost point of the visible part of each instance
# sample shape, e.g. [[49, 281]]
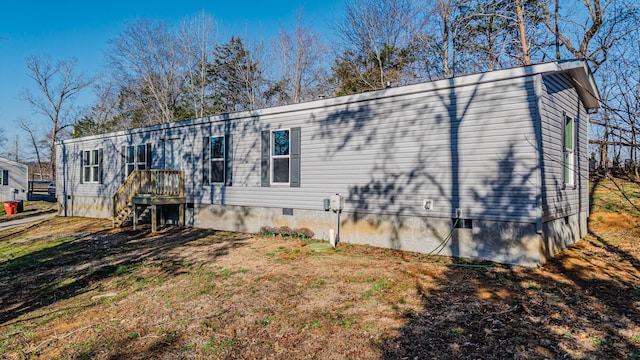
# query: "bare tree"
[[14, 152], [606, 23], [500, 33], [605, 33], [103, 116], [2, 137], [522, 32], [300, 55], [58, 83], [444, 9], [198, 36], [147, 58], [28, 128], [376, 44], [618, 125]]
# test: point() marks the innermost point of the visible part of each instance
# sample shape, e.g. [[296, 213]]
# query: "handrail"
[[148, 182]]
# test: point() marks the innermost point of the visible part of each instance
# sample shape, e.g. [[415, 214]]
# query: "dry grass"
[[75, 289]]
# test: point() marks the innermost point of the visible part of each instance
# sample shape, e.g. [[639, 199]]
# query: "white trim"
[[569, 165], [94, 169], [272, 157], [136, 164], [211, 160]]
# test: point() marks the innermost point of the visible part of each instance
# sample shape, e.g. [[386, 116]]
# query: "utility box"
[[337, 202], [326, 203]]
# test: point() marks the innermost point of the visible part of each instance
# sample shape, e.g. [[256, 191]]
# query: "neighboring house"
[[503, 151], [14, 181]]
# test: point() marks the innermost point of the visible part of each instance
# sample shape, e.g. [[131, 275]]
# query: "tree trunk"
[[526, 58]]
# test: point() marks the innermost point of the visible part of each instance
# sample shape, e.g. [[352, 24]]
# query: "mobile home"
[[491, 165], [14, 180]]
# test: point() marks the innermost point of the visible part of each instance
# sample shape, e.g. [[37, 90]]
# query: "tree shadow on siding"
[[370, 133]]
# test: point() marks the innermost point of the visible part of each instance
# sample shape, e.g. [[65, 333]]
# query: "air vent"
[[462, 223]]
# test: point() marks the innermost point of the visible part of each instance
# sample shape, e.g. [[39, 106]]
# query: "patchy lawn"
[[73, 288]]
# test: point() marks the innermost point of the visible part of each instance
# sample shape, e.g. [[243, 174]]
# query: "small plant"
[[316, 323], [318, 283], [339, 318], [304, 233], [265, 322], [127, 268], [217, 347], [285, 231], [376, 287]]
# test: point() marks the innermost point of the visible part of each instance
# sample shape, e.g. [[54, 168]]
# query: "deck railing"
[[148, 183]]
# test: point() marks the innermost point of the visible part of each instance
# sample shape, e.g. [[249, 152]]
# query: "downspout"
[[64, 177]]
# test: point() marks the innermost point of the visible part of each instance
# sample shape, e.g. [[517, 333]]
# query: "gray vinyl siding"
[[17, 180], [468, 147], [559, 97]]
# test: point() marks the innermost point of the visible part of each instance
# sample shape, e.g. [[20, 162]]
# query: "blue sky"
[[64, 29]]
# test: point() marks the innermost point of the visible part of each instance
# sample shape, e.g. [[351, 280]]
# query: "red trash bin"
[[10, 207]]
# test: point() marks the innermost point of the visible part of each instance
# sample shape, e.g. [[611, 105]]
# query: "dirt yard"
[[73, 288]]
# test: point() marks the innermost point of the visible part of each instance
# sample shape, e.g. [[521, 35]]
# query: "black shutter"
[[5, 177], [123, 165], [100, 166], [228, 160], [295, 157], [149, 160], [266, 157], [81, 166], [206, 162]]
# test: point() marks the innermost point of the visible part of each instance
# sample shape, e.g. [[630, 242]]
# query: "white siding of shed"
[[17, 184]]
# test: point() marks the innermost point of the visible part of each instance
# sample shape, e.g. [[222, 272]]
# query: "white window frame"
[[214, 159], [1, 177], [569, 159], [274, 157], [136, 164], [90, 167]]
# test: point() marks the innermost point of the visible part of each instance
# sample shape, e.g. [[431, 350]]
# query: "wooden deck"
[[150, 188], [154, 202]]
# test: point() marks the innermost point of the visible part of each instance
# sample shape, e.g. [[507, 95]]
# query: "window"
[[217, 156], [280, 156], [217, 159], [4, 177], [569, 151], [90, 166], [136, 158]]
